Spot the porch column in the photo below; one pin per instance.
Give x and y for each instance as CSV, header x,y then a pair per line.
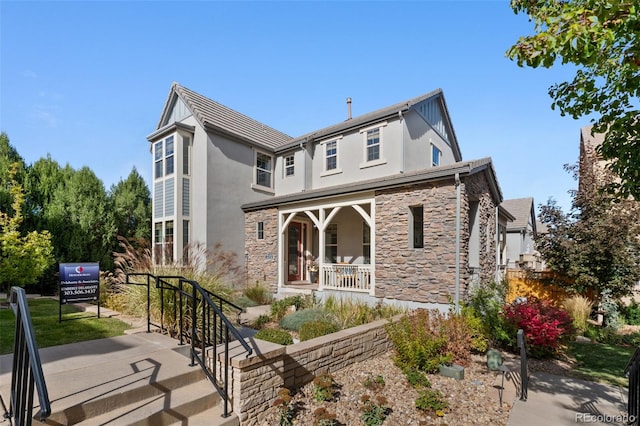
x,y
321,226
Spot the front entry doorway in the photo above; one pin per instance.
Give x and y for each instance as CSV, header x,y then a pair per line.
x,y
295,251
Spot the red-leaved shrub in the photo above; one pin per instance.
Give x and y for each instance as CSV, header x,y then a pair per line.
x,y
545,327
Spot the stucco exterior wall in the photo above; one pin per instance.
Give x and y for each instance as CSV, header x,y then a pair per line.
x,y
262,255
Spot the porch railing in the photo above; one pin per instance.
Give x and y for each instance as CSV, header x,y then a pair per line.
x,y
347,277
197,316
27,368
632,371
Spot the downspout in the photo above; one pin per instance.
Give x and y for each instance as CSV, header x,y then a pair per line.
x,y
497,248
402,130
304,166
457,283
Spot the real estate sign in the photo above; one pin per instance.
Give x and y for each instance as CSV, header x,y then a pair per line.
x,y
79,282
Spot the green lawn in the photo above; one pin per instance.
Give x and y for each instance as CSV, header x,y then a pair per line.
x,y
601,363
76,326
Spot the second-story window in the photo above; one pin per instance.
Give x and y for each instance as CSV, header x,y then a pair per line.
x,y
163,157
289,164
157,158
263,169
168,161
435,156
373,144
331,155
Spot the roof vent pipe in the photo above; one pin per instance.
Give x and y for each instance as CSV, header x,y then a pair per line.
x,y
348,108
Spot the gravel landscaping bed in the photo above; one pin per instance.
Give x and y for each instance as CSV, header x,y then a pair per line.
x,y
473,400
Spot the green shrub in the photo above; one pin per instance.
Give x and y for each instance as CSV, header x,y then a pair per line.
x,y
313,329
477,330
274,335
486,300
295,320
374,383
279,307
418,342
631,313
259,294
375,412
259,322
432,400
244,301
417,379
323,387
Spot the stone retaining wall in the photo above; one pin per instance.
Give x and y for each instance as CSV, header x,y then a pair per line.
x,y
256,380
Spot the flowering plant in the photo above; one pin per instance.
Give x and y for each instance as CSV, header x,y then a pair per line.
x,y
313,266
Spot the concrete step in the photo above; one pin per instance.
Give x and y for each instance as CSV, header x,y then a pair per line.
x,y
143,379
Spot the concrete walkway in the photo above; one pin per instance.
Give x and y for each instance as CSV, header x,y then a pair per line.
x,y
558,401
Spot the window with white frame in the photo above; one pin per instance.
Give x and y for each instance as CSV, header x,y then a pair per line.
x,y
435,156
331,243
373,144
264,169
331,155
289,165
168,160
163,157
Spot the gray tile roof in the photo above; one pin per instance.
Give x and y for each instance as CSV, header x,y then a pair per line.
x,y
464,168
217,117
375,116
521,209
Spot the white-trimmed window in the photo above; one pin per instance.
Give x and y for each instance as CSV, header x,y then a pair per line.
x,y
264,169
435,156
373,144
289,165
163,157
331,155
372,140
331,243
260,230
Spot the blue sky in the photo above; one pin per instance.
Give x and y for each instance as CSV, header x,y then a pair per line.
x,y
86,81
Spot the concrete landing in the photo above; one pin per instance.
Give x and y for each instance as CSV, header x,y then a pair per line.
x,y
139,379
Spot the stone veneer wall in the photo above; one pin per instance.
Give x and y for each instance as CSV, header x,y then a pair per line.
x,y
420,275
256,380
261,256
477,188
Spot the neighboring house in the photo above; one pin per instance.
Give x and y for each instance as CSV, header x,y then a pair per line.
x,y
520,248
382,205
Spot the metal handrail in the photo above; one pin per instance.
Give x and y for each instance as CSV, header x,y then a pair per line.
x,y
27,367
206,329
524,375
632,371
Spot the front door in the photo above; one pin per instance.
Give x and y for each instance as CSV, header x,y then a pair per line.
x,y
294,252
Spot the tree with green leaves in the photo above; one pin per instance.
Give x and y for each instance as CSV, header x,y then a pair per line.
x,y
23,257
9,158
131,204
602,38
596,244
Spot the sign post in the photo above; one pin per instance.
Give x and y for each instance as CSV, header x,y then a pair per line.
x,y
79,282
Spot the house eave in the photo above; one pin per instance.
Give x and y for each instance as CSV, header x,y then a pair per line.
x,y
170,128
390,182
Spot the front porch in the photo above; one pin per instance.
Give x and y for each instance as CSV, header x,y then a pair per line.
x,y
327,247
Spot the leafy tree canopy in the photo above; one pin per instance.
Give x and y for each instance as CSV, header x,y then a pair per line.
x,y
23,258
596,244
132,207
602,38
